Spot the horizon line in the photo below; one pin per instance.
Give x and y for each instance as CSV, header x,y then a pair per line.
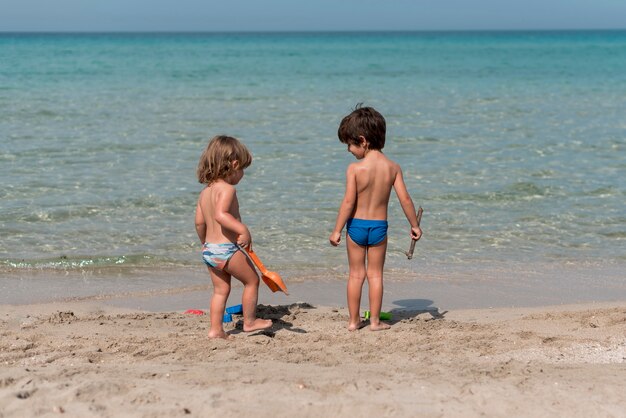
x,y
287,31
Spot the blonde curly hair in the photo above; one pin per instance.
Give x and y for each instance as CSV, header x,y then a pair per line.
x,y
216,160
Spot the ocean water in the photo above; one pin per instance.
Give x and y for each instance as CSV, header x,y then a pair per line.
x,y
514,143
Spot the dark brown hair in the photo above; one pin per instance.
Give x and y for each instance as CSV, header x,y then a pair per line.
x,y
215,161
366,122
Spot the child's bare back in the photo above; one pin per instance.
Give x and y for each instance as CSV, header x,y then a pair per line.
x,y
219,193
375,176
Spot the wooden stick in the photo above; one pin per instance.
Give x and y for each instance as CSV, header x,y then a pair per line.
x,y
409,254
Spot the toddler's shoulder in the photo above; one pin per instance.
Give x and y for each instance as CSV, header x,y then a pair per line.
x,y
222,186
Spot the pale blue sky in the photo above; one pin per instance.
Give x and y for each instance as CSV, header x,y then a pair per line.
x,y
296,15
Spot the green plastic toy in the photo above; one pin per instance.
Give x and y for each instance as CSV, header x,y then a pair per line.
x,y
383,315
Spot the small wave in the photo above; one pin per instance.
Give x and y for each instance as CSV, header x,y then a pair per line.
x,y
514,192
47,113
416,140
543,174
79,263
603,192
614,234
525,189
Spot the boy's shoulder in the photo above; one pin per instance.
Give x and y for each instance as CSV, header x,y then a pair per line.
x,y
389,162
354,167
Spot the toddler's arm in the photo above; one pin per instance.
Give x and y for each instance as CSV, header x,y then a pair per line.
x,y
223,216
200,223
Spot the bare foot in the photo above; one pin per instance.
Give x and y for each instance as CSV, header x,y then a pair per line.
x,y
220,334
358,325
379,326
257,325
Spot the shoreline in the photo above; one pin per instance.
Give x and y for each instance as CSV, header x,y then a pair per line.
x,y
447,287
88,358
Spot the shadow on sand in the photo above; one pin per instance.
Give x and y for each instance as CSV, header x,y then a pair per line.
x,y
276,314
412,308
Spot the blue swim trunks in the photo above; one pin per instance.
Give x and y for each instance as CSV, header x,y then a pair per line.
x,y
367,232
217,255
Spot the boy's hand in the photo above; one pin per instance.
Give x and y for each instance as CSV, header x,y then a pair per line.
x,y
416,233
244,239
335,238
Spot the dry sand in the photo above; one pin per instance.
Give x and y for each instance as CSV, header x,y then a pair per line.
x,y
84,359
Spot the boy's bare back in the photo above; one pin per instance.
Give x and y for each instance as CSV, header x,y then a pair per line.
x,y
374,177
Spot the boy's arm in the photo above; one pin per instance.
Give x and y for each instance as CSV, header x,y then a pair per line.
x,y
223,202
200,223
407,205
347,205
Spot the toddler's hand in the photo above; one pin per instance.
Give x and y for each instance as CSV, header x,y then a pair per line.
x,y
244,239
335,238
416,233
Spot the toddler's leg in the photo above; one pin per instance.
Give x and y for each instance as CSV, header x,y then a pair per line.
x,y
243,270
356,278
375,263
221,290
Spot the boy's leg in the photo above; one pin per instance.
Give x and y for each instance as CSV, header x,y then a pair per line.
x,y
221,290
375,264
240,266
356,278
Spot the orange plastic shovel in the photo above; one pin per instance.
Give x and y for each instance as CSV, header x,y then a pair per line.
x,y
271,278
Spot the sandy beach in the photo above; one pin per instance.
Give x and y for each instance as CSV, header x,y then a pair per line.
x,y
87,358
512,141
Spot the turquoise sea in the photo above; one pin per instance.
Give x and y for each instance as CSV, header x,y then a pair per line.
x,y
514,143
